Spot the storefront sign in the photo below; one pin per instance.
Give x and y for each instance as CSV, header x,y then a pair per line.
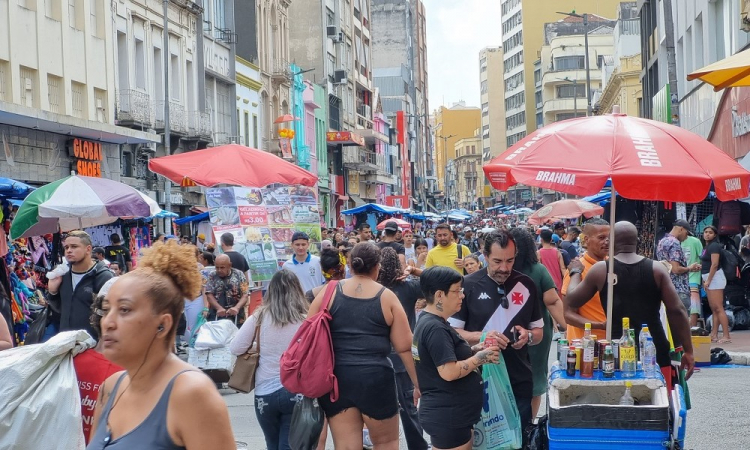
x,y
89,156
740,124
345,137
285,145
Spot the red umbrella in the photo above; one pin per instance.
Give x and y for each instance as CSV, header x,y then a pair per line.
x,y
230,164
646,160
565,209
404,225
285,118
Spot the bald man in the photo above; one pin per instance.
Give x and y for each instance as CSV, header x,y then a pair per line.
x,y
642,285
227,291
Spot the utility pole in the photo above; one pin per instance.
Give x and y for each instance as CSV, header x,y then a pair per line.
x,y
167,150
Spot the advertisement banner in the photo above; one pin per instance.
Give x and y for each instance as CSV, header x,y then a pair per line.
x,y
263,221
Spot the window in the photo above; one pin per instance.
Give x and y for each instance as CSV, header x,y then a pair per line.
x,y
75,11
512,22
100,103
54,94
127,164
513,82
78,93
28,87
175,78
4,80
566,116
537,76
513,42
515,101
539,120
513,61
255,131
484,87
223,109
571,91
246,129
516,120
94,15
52,9
538,98
140,64
512,139
122,61
569,63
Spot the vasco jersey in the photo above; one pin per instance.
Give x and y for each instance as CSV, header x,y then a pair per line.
x,y
482,310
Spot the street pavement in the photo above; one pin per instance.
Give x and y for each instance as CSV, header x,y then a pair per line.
x,y
719,419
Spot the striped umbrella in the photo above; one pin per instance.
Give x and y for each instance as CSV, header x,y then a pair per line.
x,y
76,202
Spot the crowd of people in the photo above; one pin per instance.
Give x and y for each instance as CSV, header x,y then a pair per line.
x,y
410,313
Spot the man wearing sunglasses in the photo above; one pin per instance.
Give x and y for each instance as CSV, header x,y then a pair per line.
x,y
503,302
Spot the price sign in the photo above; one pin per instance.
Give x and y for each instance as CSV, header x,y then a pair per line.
x,y
253,215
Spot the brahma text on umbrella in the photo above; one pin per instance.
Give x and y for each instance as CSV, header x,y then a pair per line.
x,y
644,146
733,184
568,179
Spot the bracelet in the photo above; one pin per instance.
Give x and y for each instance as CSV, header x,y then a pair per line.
x,y
205,309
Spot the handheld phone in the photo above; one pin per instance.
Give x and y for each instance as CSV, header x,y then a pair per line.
x,y
512,335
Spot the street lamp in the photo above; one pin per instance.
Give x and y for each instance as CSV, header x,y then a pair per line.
x,y
575,94
585,18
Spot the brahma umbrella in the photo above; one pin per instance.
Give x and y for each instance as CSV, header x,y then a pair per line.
x,y
646,160
76,202
230,164
565,209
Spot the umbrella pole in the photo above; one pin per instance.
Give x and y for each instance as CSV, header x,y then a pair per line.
x,y
611,269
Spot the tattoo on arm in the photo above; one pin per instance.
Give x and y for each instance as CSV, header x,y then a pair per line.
x,y
439,305
483,356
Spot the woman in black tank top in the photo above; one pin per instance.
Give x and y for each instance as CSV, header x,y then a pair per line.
x,y
367,319
152,404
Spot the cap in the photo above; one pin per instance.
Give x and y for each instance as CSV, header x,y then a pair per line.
x,y
300,235
555,239
391,226
684,224
201,236
467,229
559,226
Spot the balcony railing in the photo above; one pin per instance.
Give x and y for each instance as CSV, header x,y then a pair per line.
x,y
222,138
178,122
199,124
360,158
133,108
280,69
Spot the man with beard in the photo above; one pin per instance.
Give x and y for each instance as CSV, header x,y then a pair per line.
x,y
446,253
503,302
596,241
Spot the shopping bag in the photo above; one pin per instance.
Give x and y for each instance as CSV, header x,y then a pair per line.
x,y
499,427
215,334
40,396
306,425
38,327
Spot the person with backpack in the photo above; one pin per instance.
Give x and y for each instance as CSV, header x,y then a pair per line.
x,y
119,254
283,310
714,282
366,320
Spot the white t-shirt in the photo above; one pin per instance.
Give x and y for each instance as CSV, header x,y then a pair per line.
x,y
411,253
309,273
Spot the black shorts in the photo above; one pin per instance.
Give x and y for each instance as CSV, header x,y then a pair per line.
x,y
444,437
370,389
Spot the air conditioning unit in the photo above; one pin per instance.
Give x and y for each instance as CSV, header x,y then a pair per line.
x,y
339,76
332,31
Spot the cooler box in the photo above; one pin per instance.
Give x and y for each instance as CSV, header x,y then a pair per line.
x,y
583,413
702,350
216,363
679,415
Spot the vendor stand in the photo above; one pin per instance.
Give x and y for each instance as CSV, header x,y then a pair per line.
x,y
645,160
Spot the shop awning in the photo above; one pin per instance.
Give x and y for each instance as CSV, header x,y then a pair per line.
x,y
197,218
37,119
357,200
373,207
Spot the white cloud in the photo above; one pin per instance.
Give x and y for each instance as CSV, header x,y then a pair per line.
x,y
456,32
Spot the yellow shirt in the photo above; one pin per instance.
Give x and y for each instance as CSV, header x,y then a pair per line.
x,y
445,256
591,310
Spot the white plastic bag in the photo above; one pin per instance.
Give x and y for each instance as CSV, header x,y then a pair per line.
x,y
59,270
41,403
215,334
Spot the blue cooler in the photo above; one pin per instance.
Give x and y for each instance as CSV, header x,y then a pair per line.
x,y
679,415
585,414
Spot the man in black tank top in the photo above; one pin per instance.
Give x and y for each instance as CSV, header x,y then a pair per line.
x,y
642,285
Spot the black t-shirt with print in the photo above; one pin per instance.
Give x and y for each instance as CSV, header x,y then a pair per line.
x,y
452,404
400,249
482,309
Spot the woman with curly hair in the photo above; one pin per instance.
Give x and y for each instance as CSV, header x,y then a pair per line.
x,y
409,293
152,404
527,262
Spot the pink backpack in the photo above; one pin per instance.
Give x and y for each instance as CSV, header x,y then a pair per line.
x,y
307,365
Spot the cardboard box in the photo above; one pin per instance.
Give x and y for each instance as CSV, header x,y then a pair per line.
x,y
702,350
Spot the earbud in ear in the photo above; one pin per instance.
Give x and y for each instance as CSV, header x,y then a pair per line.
x,y
161,328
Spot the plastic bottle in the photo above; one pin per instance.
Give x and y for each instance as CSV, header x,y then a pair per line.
x,y
587,353
627,350
608,366
645,334
649,358
627,398
570,368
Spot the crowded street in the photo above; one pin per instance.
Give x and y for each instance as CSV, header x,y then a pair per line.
x,y
374,224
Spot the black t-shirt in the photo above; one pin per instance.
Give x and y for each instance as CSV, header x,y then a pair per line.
x,y
400,249
481,309
455,403
238,261
711,249
118,254
408,293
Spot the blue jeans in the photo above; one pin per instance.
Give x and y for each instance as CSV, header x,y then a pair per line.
x,y
274,413
50,332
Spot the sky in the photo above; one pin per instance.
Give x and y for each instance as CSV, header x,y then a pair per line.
x,y
456,32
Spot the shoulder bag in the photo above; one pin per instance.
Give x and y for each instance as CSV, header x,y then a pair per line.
x,y
243,374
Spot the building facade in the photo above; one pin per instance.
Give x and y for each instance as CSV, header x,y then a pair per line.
x,y
58,92
451,125
220,85
563,64
248,103
621,78
468,165
493,112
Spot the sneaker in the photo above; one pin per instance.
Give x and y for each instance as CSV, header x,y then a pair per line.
x,y
366,442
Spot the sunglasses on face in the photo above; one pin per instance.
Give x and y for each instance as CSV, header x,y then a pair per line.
x,y
503,297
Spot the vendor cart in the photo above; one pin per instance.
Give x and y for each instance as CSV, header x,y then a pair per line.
x,y
584,413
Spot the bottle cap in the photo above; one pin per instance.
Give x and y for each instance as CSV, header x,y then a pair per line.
x,y
628,384
587,326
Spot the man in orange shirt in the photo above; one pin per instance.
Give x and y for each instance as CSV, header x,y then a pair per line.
x,y
596,242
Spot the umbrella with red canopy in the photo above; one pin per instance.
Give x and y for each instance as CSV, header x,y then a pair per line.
x,y
285,118
230,164
646,160
404,225
565,209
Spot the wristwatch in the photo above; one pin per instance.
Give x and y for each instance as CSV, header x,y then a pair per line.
x,y
531,338
572,272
